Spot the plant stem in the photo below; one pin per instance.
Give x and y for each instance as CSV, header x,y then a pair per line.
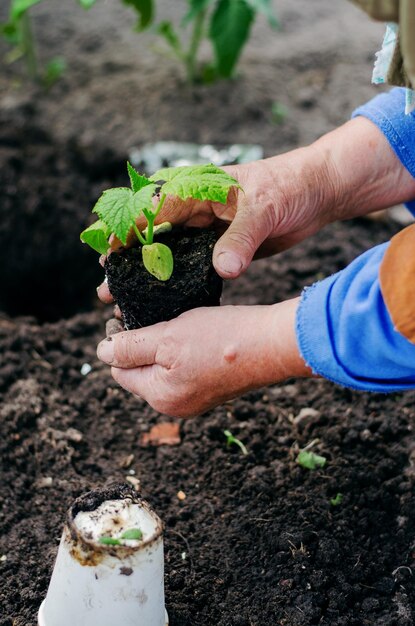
x,y
197,36
139,235
29,47
151,218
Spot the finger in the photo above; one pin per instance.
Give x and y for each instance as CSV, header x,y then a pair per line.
x,y
113,327
131,348
235,250
117,312
104,293
136,380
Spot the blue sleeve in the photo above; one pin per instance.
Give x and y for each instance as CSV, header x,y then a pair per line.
x,y
345,332
387,111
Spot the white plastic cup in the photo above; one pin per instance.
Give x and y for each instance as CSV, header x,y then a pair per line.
x,y
104,585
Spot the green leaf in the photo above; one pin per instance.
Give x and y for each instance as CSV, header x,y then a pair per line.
x,y
158,260
145,10
166,30
278,113
310,460
96,236
137,180
109,541
19,7
230,439
264,7
54,70
195,7
119,208
337,500
229,30
87,4
132,533
202,182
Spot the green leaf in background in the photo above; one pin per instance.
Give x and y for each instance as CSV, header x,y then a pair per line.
x,y
87,4
264,7
145,10
137,180
96,236
132,533
337,500
118,208
195,7
54,70
202,182
310,460
166,30
229,30
158,260
19,7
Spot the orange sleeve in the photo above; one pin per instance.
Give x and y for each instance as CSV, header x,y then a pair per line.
x,y
397,281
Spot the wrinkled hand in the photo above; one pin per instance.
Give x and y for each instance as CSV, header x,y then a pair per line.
x,y
281,203
206,356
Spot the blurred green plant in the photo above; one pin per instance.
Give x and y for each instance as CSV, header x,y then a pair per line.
x,y
279,113
225,23
18,32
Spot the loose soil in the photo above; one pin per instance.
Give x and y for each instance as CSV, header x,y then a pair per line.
x,y
255,541
145,300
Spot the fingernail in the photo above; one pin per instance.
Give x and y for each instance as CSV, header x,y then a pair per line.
x,y
229,263
105,350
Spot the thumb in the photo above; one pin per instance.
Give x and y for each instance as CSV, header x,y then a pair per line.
x,y
234,251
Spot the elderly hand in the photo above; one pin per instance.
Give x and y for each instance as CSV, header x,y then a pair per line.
x,y
206,356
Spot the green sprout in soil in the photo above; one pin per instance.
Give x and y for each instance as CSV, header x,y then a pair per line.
x,y
18,33
337,500
226,24
133,533
310,460
119,209
231,440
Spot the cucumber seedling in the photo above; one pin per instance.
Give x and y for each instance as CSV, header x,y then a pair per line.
x,y
135,534
119,209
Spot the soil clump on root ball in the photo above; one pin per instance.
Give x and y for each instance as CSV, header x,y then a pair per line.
x,y
145,300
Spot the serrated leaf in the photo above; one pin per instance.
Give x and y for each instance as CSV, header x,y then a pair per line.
x,y
96,236
19,7
202,182
195,7
119,208
158,260
229,30
264,7
132,533
137,180
145,10
87,4
310,460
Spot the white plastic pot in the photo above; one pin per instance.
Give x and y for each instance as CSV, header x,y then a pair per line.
x,y
107,585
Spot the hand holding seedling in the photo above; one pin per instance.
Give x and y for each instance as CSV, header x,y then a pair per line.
x,y
206,356
347,173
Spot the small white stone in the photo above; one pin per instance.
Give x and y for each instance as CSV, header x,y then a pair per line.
x,y
85,369
3,558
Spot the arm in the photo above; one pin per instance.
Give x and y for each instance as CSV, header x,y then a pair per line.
x,y
347,173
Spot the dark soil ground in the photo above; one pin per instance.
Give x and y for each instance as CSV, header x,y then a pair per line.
x,y
145,300
256,541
